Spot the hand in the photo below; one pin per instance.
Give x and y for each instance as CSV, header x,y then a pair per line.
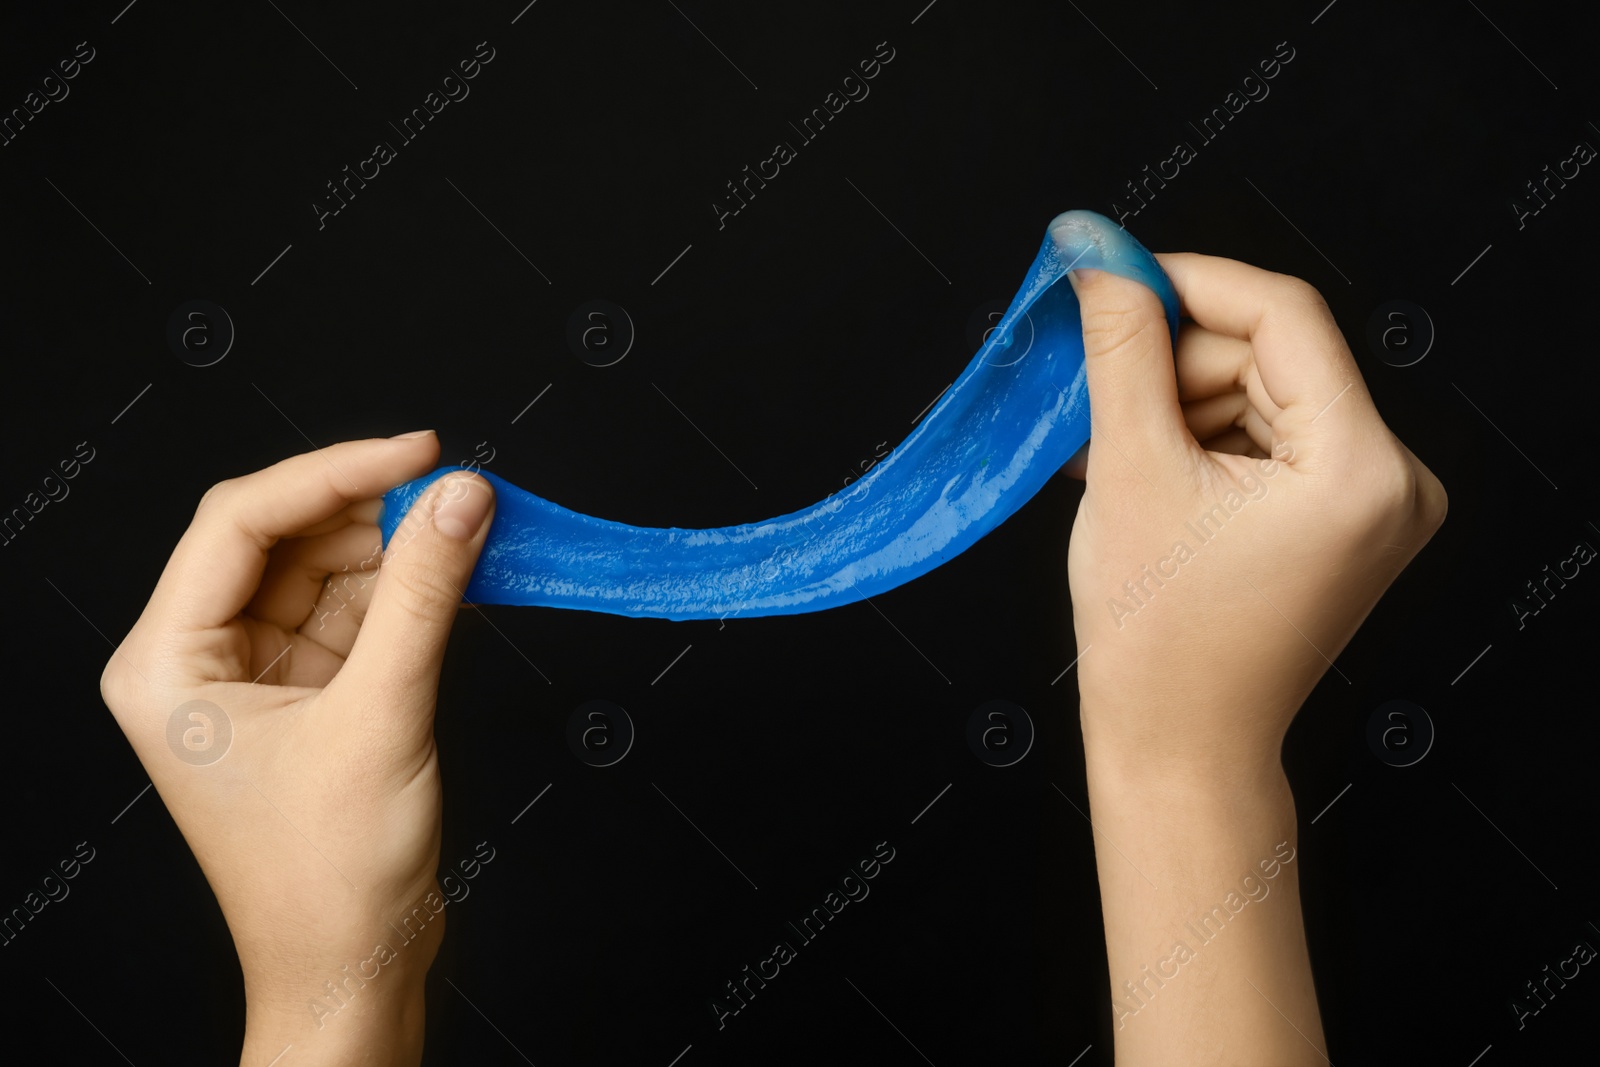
x,y
319,825
1245,507
1241,516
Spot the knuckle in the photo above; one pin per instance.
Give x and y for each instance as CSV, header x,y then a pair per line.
x,y
1433,501
1391,489
1401,484
1118,329
117,685
217,495
1297,298
422,591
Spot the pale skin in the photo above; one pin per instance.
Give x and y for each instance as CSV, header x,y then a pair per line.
x,y
1185,701
320,827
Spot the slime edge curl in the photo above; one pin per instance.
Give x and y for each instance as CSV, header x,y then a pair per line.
x,y
988,445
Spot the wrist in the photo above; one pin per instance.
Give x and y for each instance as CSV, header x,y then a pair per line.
x,y
379,1025
1225,793
352,995
1190,737
1123,761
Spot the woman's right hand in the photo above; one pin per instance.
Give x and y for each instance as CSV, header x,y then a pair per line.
x,y
1243,513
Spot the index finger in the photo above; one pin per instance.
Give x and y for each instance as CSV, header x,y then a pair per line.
x,y
217,565
1300,353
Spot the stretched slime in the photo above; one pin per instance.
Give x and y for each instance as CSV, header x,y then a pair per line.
x,y
1018,412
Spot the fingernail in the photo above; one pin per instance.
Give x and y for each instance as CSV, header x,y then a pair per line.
x,y
409,436
462,507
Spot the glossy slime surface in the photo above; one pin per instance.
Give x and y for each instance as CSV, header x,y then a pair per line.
x,y
1018,411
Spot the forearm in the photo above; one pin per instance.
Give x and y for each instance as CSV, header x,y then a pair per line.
x,y
1199,886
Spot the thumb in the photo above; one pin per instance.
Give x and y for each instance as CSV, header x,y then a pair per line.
x,y
1127,347
1133,389
426,568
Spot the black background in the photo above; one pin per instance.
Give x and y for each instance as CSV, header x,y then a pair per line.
x,y
796,338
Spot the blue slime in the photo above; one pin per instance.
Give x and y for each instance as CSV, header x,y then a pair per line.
x,y
1014,416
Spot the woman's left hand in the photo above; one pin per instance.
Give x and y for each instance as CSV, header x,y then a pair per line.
x,y
279,688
